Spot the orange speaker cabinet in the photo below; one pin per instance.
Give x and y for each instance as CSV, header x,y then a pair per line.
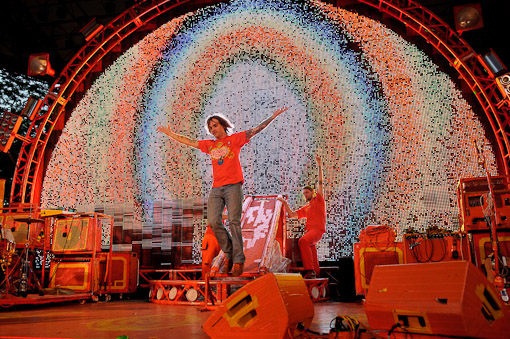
x,y
446,298
73,235
271,306
123,272
368,255
78,274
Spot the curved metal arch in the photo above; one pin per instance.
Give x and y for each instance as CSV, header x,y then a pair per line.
x,y
463,58
435,31
27,174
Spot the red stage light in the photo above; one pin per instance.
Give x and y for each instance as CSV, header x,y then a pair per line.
x,y
39,64
468,17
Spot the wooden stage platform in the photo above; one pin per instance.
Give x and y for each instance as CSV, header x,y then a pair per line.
x,y
135,319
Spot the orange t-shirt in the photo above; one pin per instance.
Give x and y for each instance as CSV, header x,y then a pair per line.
x,y
315,213
225,158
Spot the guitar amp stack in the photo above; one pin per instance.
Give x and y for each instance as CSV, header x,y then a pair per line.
x,y
76,247
482,206
79,263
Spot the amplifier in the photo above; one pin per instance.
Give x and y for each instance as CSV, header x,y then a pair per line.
x,y
421,248
78,274
123,272
470,193
71,235
369,255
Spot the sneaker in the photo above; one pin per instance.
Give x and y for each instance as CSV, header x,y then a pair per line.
x,y
238,269
227,266
310,275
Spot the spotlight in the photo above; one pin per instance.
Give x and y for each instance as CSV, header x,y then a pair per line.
x,y
91,29
493,63
9,126
39,64
31,108
468,17
503,82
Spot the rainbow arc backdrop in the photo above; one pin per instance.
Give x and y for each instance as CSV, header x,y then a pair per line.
x,y
394,132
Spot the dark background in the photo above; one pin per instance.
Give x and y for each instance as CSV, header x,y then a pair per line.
x,y
53,26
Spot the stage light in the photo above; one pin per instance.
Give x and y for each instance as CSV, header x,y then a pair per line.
x,y
498,70
493,63
91,29
39,64
503,82
468,17
32,106
9,126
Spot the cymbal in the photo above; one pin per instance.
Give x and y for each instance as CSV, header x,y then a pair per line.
x,y
28,220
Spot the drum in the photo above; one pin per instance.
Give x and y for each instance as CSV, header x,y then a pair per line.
x,y
7,251
7,246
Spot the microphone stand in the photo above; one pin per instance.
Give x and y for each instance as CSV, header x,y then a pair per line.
x,y
493,220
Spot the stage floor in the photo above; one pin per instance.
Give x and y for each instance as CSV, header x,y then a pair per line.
x,y
135,319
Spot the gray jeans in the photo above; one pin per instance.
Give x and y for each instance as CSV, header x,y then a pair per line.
x,y
231,196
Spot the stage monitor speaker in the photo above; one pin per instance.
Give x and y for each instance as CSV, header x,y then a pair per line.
x,y
447,298
271,306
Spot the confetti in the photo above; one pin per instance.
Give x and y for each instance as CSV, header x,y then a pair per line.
x,y
394,131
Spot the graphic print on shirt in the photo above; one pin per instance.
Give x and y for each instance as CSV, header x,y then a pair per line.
x,y
221,151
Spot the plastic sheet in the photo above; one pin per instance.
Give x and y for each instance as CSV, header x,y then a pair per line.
x,y
277,263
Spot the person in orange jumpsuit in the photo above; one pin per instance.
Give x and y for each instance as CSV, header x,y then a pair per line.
x,y
315,227
210,249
